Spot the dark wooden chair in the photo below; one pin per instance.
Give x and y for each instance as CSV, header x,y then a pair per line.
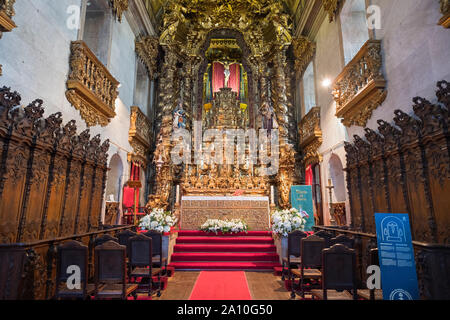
x,y
124,236
103,239
372,294
158,259
110,277
311,264
343,239
326,236
338,274
72,253
293,257
140,262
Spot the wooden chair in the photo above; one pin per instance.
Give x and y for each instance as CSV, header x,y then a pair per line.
x,y
326,236
140,261
72,253
311,264
338,274
103,239
293,252
372,294
342,239
110,281
124,236
158,259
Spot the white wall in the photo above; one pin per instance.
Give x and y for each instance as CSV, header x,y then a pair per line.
x,y
416,54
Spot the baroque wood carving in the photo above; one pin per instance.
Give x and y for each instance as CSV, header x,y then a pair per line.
x,y
361,87
44,166
119,7
304,51
147,50
91,89
310,135
445,10
409,165
140,136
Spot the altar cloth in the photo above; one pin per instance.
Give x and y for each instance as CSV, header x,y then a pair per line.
x,y
253,210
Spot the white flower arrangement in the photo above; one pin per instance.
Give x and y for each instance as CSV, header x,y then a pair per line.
x,y
158,220
287,221
224,226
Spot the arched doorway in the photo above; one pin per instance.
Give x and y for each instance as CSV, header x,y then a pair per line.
x,y
114,180
336,174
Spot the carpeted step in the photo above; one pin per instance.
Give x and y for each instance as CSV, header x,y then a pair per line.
x,y
195,233
221,256
226,239
224,248
224,265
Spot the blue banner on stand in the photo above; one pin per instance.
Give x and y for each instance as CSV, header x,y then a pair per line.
x,y
301,199
396,254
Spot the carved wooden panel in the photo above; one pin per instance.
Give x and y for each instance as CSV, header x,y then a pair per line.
x,y
410,170
41,166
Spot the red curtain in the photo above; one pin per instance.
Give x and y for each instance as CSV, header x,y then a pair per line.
x,y
218,77
128,193
309,176
235,78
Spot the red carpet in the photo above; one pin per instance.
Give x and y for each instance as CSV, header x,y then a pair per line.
x,y
197,250
217,285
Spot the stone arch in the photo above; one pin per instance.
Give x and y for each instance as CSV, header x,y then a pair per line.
x,y
336,171
114,179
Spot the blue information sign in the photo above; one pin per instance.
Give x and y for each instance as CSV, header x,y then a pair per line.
x,y
301,199
396,254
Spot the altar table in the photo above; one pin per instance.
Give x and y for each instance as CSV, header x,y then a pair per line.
x,y
195,210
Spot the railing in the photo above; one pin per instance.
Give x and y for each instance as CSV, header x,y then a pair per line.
x,y
29,269
311,136
432,262
91,88
360,88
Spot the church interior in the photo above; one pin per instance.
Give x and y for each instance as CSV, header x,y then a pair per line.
x,y
224,150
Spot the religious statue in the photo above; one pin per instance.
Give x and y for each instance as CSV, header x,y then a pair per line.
x,y
269,120
179,118
227,73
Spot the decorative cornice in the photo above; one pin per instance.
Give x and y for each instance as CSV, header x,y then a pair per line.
x,y
119,7
304,51
331,7
445,10
147,50
91,89
361,87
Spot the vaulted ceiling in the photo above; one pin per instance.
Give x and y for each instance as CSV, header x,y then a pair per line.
x,y
156,8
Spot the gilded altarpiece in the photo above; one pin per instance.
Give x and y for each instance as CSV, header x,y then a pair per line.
x,y
199,38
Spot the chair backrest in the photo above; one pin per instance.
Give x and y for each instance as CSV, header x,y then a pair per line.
x,y
124,236
103,239
72,253
110,263
326,236
156,242
343,239
294,239
312,247
339,268
374,258
140,251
